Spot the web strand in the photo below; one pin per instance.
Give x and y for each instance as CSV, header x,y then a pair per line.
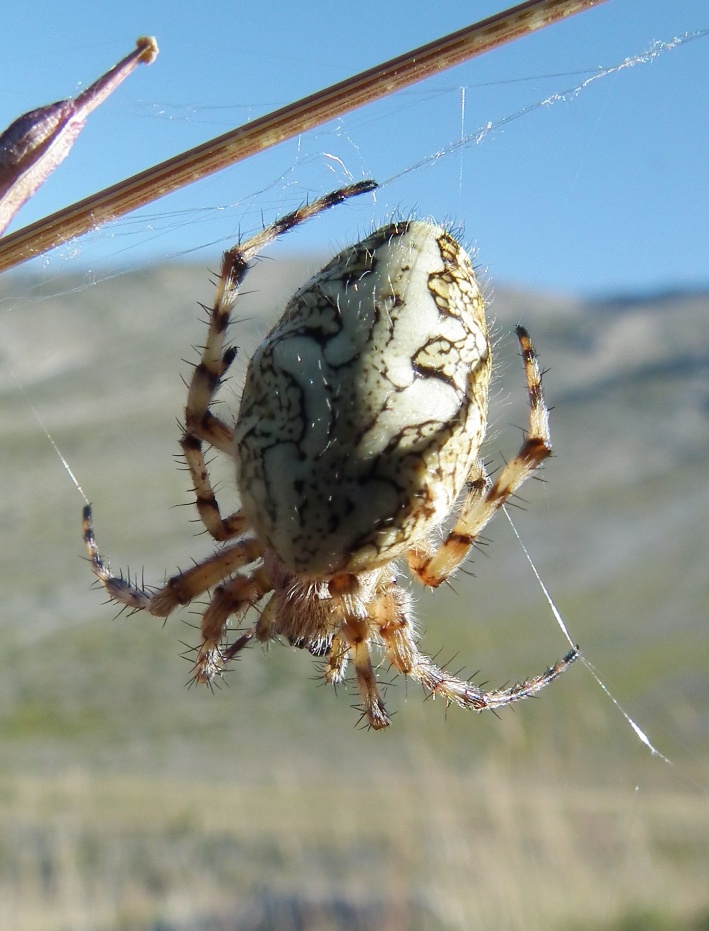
x,y
49,436
639,733
475,138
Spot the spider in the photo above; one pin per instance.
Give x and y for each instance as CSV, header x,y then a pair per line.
x,y
357,438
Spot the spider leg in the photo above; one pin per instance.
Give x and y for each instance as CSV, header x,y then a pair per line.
x,y
201,425
463,693
178,590
483,498
392,611
353,606
232,599
337,660
372,703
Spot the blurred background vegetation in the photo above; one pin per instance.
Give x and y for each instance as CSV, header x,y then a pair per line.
x,y
128,801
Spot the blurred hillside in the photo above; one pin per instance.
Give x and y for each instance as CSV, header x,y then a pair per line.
x,y
97,727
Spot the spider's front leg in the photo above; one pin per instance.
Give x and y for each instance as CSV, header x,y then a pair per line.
x,y
201,425
484,498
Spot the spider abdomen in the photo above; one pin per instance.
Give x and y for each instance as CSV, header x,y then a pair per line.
x,y
364,408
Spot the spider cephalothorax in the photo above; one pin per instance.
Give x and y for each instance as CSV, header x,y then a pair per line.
x,y
358,435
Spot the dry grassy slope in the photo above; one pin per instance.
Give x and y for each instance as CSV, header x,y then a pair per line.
x,y
128,801
618,530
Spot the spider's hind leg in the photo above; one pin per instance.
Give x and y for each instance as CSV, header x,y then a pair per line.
x,y
394,617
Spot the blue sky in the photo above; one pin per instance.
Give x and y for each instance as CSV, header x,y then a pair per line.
x,y
603,193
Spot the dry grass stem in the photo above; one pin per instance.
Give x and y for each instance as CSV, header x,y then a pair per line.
x,y
38,141
282,124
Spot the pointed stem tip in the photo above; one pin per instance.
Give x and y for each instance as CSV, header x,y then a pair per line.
x,y
36,142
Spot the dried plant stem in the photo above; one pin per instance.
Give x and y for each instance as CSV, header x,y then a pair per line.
x,y
283,124
34,145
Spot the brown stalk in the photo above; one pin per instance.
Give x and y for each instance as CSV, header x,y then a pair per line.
x,y
33,146
282,124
